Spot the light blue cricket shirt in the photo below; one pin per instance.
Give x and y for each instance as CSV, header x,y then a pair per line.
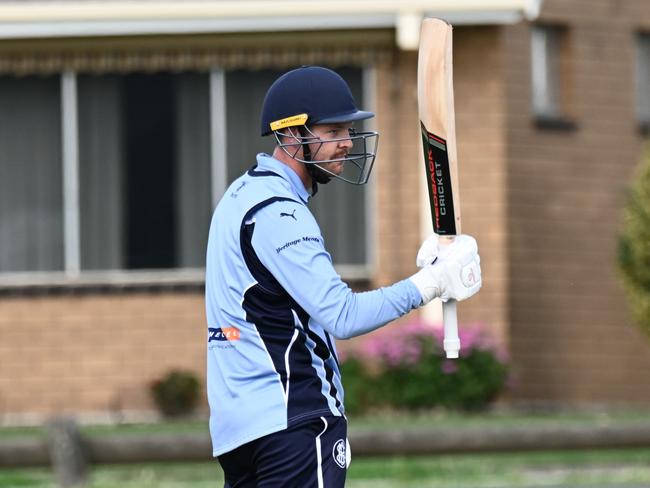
x,y
274,303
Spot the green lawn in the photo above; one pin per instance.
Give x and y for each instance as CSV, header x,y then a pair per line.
x,y
518,470
380,420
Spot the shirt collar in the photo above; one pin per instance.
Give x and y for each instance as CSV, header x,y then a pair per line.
x,y
269,163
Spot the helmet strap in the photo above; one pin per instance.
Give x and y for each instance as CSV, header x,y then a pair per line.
x,y
306,151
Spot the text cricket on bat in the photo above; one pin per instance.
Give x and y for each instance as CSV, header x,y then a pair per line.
x,y
439,183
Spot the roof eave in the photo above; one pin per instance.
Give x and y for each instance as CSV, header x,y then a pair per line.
x,y
28,20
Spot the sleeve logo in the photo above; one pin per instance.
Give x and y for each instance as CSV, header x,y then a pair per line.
x,y
296,241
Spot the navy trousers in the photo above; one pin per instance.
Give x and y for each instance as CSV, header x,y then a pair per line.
x,y
314,453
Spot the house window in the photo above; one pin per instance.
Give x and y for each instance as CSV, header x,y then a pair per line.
x,y
145,169
643,81
550,84
31,193
144,160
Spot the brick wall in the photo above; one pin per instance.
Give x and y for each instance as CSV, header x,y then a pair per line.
x,y
572,338
398,170
545,204
94,353
480,121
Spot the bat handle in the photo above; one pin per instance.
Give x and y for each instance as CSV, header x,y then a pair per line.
x,y
451,342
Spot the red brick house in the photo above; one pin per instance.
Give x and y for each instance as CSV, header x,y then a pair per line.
x,y
122,123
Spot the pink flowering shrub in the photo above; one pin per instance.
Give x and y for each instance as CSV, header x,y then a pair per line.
x,y
405,367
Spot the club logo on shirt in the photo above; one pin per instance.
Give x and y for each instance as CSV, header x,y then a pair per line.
x,y
338,453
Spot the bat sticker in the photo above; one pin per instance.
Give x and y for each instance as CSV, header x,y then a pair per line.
x,y
439,183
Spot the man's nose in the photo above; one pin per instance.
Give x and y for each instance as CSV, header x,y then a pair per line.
x,y
346,143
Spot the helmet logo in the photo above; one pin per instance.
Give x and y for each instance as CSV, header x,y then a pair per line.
x,y
292,121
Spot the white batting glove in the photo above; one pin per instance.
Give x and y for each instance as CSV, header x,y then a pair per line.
x,y
455,275
428,252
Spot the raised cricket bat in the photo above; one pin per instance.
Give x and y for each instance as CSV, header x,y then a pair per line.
x,y
438,125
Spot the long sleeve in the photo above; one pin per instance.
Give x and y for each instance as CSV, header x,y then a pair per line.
x,y
289,244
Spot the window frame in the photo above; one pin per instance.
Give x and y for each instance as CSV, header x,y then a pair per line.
x,y
641,82
74,276
551,91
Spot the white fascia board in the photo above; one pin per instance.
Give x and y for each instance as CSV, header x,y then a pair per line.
x,y
119,17
187,26
481,17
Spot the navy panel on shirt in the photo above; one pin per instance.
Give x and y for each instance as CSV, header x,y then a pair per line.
x,y
323,352
271,309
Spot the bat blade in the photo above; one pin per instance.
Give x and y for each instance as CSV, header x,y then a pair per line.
x,y
438,130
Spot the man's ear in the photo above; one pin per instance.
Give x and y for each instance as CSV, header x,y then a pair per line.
x,y
290,138
290,134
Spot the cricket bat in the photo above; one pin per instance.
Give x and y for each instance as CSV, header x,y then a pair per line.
x,y
438,126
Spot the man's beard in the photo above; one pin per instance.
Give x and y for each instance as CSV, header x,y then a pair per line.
x,y
318,175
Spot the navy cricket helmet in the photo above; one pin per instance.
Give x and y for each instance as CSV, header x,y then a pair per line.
x,y
309,95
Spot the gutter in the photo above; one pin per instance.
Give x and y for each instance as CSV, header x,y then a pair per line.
x,y
75,18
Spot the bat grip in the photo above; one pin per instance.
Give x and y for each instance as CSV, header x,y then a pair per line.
x,y
451,342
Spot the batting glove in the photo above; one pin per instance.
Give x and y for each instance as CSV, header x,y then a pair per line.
x,y
456,274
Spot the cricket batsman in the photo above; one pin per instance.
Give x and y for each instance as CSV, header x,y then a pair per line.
x,y
275,304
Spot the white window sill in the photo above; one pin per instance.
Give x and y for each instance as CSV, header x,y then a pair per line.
x,y
174,280
101,282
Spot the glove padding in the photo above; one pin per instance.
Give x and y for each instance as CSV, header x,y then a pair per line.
x,y
456,274
428,251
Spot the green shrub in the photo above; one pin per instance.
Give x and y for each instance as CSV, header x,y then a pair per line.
x,y
634,246
177,393
406,368
355,381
